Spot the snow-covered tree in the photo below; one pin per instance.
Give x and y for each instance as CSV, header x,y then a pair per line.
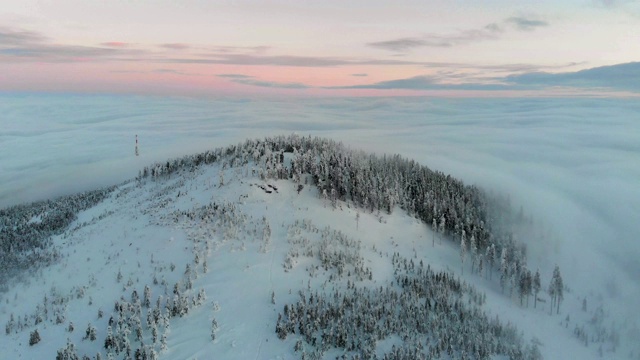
x,y
34,337
556,289
473,247
442,227
109,341
434,228
491,258
536,285
146,299
68,352
463,248
163,342
214,329
266,235
325,196
90,333
525,285
504,269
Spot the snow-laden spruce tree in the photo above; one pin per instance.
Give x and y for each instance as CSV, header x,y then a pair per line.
x,y
463,248
473,247
536,285
68,352
434,228
556,289
491,258
504,269
34,337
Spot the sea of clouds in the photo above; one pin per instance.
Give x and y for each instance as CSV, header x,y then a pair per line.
x,y
572,164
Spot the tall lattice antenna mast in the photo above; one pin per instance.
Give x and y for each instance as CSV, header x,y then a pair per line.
x,y
137,152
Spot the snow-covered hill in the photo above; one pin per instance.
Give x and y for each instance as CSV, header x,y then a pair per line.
x,y
243,257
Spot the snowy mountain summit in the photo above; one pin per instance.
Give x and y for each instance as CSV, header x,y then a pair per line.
x,y
288,248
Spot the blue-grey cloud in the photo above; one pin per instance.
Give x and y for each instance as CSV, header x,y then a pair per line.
x,y
172,71
55,53
423,82
22,45
435,40
12,37
360,75
234,76
613,4
487,32
526,24
617,77
621,77
175,46
253,81
494,27
404,44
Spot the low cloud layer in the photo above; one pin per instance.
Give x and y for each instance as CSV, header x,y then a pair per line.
x,y
571,163
622,77
619,77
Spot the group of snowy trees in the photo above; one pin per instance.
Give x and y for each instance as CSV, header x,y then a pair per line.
x,y
335,252
371,182
126,334
126,326
433,314
26,230
377,184
374,183
513,272
555,289
463,213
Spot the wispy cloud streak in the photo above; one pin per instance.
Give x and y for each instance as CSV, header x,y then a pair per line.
x,y
11,37
525,24
253,81
488,32
175,46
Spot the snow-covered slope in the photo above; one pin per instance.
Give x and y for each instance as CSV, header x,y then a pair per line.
x,y
222,251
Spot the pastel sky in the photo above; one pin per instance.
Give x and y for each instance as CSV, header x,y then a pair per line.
x,y
322,48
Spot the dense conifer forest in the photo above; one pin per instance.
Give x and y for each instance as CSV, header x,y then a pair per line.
x,y
25,231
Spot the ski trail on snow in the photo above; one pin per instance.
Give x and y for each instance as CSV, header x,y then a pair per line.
x,y
273,251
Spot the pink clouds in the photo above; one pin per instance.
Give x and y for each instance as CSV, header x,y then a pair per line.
x,y
257,68
115,44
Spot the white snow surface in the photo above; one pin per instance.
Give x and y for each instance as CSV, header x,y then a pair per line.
x,y
137,237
